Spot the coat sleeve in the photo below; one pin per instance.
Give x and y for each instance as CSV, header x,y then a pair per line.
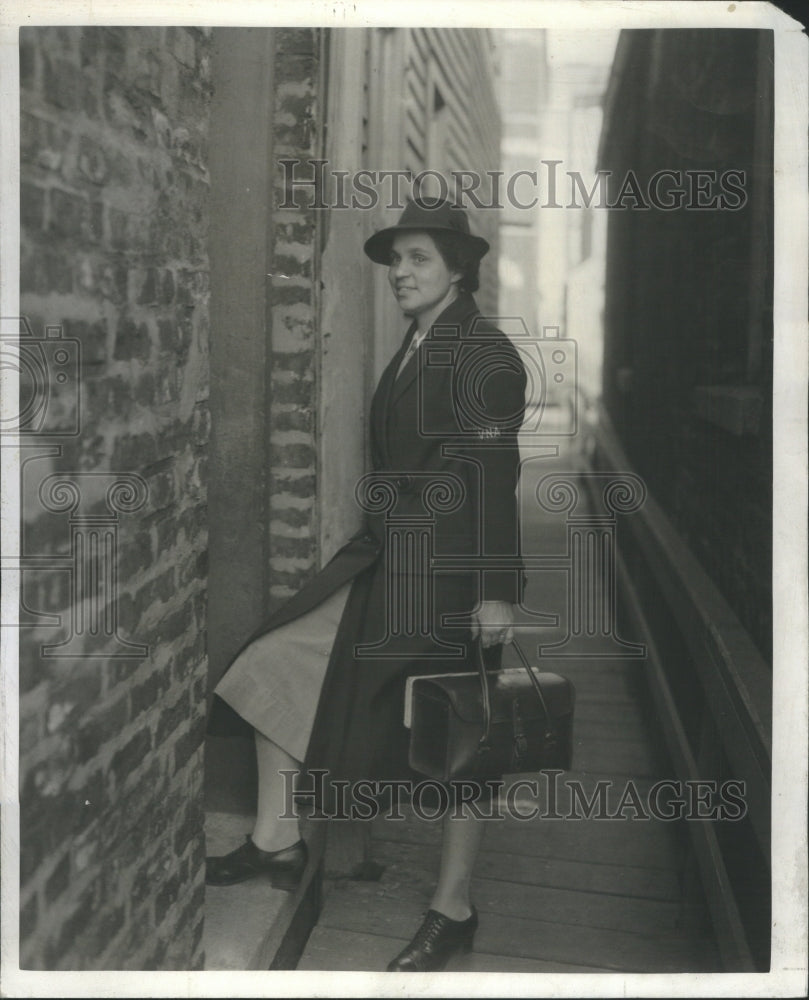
x,y
501,399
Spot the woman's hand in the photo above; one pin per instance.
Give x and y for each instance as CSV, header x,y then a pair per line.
x,y
493,621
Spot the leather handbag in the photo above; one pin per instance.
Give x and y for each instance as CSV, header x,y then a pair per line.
x,y
483,725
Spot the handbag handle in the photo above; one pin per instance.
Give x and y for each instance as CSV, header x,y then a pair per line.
x,y
483,743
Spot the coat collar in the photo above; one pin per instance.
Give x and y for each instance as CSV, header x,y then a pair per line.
x,y
457,314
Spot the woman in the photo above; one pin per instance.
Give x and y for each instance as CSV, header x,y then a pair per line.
x,y
323,681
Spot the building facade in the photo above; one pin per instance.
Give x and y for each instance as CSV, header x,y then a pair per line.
x,y
227,335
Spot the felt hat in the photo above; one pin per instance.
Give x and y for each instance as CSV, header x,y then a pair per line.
x,y
425,216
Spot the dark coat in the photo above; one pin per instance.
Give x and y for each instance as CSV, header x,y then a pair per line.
x,y
455,410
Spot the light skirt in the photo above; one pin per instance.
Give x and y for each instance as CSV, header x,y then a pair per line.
x,y
275,683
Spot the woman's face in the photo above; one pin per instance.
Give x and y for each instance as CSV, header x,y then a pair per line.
x,y
418,275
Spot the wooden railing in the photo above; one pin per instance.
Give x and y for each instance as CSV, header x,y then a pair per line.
x,y
712,692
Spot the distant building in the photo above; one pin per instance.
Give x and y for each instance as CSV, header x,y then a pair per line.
x,y
554,252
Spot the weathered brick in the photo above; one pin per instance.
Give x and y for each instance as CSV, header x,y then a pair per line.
x,y
165,898
299,419
29,913
156,958
300,364
68,212
200,688
290,581
32,206
191,827
80,687
294,456
174,625
131,755
188,744
296,548
295,517
27,60
162,488
92,337
134,451
299,391
144,696
132,340
74,925
62,84
58,880
300,41
292,265
291,294
172,717
297,486
105,929
92,161
187,659
135,554
102,726
118,223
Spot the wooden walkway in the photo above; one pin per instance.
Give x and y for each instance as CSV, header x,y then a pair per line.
x,y
554,895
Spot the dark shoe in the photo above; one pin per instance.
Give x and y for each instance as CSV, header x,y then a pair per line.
x,y
284,867
435,942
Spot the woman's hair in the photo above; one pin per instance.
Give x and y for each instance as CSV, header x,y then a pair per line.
x,y
458,256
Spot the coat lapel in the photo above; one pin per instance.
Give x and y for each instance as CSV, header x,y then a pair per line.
x,y
380,405
456,314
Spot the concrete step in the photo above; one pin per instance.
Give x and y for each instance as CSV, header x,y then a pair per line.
x,y
252,925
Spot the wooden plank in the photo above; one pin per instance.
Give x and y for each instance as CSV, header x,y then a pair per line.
x,y
643,843
333,949
602,729
336,950
599,710
630,758
615,879
410,880
523,937
580,875
482,962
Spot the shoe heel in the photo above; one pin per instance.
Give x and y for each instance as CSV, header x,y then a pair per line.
x,y
285,884
468,943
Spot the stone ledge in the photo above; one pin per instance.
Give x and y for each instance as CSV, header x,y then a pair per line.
x,y
252,925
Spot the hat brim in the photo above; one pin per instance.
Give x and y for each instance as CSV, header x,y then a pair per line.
x,y
378,246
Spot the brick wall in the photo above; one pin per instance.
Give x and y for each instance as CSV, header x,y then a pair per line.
x,y
297,132
114,196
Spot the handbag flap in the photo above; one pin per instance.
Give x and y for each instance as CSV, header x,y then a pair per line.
x,y
464,694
